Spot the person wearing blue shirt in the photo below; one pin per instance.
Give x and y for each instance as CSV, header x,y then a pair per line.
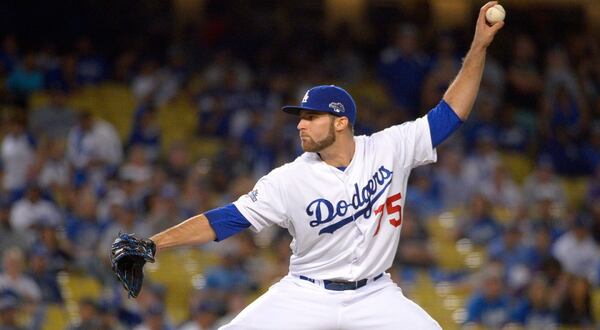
x,y
490,306
534,311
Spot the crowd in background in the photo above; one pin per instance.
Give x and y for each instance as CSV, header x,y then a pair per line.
x,y
70,183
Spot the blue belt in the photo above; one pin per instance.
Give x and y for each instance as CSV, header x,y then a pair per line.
x,y
336,285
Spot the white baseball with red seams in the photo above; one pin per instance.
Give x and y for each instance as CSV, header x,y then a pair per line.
x,y
345,225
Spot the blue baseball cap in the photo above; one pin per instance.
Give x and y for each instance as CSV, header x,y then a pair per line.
x,y
326,98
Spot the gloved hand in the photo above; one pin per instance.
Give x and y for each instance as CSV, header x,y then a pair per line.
x,y
128,255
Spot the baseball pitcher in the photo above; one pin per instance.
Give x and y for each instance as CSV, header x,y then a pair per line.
x,y
341,201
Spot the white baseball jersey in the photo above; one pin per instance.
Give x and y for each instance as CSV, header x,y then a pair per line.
x,y
345,224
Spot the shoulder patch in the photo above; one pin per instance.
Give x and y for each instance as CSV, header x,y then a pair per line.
x,y
253,195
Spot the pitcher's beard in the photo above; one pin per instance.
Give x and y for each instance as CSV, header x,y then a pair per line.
x,y
310,145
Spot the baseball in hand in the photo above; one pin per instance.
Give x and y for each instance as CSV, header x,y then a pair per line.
x,y
495,14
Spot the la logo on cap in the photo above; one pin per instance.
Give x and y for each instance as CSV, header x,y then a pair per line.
x,y
305,98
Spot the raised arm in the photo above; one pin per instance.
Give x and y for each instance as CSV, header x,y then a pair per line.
x,y
463,90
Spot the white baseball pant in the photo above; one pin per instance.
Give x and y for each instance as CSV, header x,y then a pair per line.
x,y
298,304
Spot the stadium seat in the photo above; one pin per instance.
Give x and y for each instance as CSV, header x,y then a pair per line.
x,y
56,317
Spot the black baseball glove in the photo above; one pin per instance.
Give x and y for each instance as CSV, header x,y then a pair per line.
x,y
128,255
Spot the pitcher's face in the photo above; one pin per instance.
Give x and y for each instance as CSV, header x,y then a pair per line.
x,y
316,130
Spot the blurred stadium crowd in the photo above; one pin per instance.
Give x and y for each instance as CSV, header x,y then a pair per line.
x,y
519,183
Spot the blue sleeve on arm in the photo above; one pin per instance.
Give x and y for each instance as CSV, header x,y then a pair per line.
x,y
443,121
226,221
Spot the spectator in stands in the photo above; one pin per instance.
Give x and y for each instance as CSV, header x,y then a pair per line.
x,y
414,249
154,319
14,278
124,66
9,54
563,109
512,135
54,120
489,307
593,188
91,67
25,79
48,60
510,250
423,193
344,61
88,313
64,77
453,188
83,228
136,168
146,83
523,77
591,149
8,235
543,213
229,275
500,190
437,80
236,302
539,248
484,124
564,150
108,317
18,153
576,249
172,77
194,198
213,115
94,148
32,210
535,311
543,184
146,132
177,163
60,251
42,275
54,168
402,68
478,224
576,306
9,311
226,70
162,212
564,91
204,316
480,165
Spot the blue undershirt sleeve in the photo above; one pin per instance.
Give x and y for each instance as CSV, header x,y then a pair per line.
x,y
443,121
226,221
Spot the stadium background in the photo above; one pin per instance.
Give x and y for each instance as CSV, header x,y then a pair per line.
x,y
133,115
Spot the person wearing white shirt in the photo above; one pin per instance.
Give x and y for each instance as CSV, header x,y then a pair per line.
x,y
31,210
12,277
93,146
18,153
577,251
